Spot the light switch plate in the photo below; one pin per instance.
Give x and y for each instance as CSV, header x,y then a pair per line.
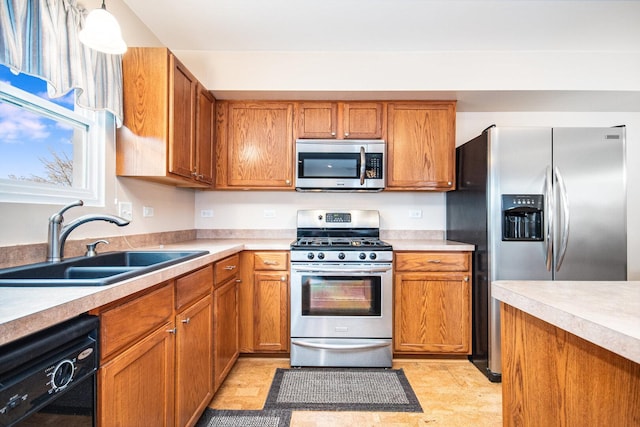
x,y
125,210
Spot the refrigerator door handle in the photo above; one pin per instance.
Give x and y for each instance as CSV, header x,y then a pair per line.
x,y
564,217
548,208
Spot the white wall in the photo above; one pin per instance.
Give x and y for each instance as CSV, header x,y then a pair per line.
x,y
173,207
246,210
338,74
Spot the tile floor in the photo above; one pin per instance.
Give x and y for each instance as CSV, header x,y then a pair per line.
x,y
452,393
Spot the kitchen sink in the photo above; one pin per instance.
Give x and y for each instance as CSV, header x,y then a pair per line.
x,y
99,270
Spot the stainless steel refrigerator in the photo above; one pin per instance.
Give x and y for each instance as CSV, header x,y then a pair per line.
x,y
538,204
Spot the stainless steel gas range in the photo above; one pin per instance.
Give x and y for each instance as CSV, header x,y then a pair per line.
x,y
341,290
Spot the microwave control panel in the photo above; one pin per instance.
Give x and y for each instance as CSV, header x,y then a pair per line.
x,y
373,167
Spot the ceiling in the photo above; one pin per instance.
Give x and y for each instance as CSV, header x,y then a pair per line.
x,y
408,26
391,25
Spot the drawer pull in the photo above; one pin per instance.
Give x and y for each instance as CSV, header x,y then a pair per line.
x,y
435,261
187,320
172,331
230,267
269,262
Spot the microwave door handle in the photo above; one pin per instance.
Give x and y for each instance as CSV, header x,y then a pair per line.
x,y
363,160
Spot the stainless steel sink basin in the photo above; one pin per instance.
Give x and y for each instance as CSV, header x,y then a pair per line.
x,y
99,270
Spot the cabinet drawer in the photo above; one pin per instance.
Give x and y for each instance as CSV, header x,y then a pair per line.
x,y
193,285
226,268
271,260
432,261
126,323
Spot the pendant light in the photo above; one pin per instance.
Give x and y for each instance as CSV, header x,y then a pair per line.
x,y
102,32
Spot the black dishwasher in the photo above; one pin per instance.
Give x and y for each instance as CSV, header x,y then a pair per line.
x,y
48,378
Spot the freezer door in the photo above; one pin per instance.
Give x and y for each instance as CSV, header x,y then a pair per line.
x,y
589,168
520,159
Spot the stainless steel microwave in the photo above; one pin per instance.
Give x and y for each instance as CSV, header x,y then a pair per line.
x,y
340,165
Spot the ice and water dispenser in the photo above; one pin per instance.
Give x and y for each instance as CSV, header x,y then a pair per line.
x,y
522,217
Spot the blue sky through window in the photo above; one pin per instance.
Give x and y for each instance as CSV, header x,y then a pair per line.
x,y
27,139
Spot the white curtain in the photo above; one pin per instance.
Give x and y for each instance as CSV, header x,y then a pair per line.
x,y
40,38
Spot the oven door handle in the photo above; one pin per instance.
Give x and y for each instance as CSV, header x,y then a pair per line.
x,y
376,344
341,270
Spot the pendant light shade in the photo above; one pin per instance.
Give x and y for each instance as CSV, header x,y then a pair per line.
x,y
102,32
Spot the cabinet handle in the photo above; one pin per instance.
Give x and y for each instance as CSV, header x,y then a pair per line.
x,y
449,183
466,278
238,280
230,267
288,182
172,331
194,173
434,261
187,320
346,134
333,134
269,262
283,278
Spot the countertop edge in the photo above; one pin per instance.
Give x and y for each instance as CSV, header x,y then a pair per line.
x,y
592,330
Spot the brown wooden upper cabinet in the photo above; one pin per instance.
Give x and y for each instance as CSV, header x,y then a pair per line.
x,y
421,146
340,120
255,145
167,135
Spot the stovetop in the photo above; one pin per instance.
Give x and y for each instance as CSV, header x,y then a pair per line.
x,y
344,243
339,236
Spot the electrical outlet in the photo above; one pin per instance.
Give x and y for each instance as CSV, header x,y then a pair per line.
x,y
206,213
125,210
269,213
415,213
147,211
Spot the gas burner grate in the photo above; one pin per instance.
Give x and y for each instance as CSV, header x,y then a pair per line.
x,y
339,241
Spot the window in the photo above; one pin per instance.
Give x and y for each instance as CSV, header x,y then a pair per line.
x,y
51,151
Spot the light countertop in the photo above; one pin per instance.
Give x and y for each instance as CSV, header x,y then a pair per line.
x,y
604,313
24,310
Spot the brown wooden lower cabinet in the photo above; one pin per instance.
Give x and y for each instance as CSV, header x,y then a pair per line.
x,y
432,304
194,353
551,377
225,318
136,387
264,302
156,363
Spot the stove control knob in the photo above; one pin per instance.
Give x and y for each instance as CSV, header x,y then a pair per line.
x,y
321,255
362,255
373,256
310,255
341,255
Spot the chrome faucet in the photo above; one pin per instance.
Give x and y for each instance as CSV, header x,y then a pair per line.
x,y
58,233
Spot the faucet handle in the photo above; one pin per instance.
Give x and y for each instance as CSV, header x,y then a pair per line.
x,y
57,217
91,247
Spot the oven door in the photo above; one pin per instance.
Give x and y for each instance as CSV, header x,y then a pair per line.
x,y
334,300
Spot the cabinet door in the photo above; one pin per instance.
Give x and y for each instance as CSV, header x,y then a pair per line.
x,y
362,120
194,354
271,311
136,387
421,146
204,136
318,120
432,313
182,100
255,145
225,330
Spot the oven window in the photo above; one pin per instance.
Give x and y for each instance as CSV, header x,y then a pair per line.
x,y
341,296
337,165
